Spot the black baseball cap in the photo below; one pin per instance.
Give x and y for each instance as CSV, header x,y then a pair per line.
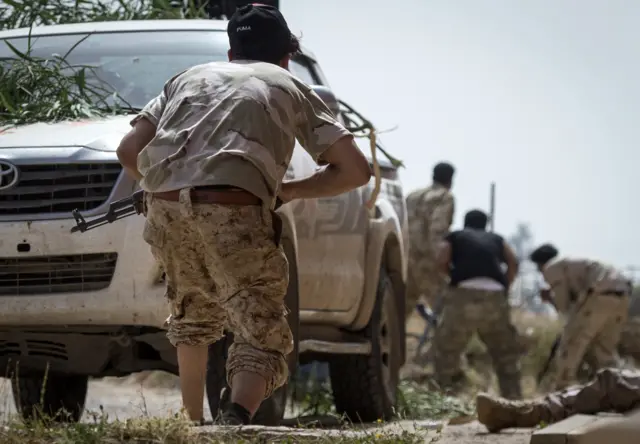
x,y
259,32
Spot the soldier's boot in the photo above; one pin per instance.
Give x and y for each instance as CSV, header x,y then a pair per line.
x,y
498,413
231,414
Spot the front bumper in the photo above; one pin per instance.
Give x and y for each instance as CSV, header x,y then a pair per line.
x,y
134,295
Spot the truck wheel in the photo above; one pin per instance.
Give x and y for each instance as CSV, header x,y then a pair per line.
x,y
62,401
272,409
365,387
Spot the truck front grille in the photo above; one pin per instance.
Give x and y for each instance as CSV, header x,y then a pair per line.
x,y
59,188
56,274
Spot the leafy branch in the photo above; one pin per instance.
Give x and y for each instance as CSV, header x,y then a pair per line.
x,y
27,13
36,89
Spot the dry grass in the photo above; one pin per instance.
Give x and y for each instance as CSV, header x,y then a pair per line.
x,y
418,400
177,429
419,397
536,335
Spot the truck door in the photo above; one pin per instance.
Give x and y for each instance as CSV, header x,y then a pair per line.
x,y
331,237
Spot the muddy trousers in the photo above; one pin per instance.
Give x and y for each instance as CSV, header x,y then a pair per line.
x,y
593,330
611,390
465,312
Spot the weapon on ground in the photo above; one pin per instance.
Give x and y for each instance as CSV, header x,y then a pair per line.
x,y
552,355
431,317
131,205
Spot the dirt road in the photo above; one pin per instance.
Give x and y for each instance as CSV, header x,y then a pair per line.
x,y
126,399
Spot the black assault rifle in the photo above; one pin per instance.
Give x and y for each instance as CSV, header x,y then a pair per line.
x,y
550,358
129,206
119,209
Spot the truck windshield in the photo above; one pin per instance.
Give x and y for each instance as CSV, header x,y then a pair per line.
x,y
135,64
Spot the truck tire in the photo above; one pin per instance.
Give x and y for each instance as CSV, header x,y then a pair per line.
x,y
365,387
272,409
62,401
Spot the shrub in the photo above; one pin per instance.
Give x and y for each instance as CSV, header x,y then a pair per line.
x,y
27,13
35,89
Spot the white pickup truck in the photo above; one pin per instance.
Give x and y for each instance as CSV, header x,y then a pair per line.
x,y
75,306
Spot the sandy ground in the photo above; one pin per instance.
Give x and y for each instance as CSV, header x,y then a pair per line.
x,y
126,399
129,397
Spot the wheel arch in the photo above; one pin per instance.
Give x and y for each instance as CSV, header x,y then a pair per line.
x,y
393,264
384,249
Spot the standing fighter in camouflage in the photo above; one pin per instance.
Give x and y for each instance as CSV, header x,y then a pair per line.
x,y
430,213
477,301
211,152
595,298
611,390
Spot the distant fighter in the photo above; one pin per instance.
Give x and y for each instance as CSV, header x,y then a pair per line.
x,y
595,297
430,214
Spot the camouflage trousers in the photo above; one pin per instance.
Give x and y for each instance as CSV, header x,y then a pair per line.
x,y
611,390
224,269
593,331
468,311
424,281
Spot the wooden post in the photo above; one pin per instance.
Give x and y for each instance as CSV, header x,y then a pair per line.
x,y
492,206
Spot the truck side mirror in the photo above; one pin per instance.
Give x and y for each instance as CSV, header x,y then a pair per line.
x,y
328,97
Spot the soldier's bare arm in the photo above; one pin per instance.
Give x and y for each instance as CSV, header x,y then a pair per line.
x,y
144,127
512,263
136,139
346,169
546,295
331,145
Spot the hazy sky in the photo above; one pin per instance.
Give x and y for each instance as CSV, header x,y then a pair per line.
x,y
540,96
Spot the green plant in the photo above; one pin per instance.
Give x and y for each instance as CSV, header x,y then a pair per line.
x,y
178,430
27,13
419,401
35,89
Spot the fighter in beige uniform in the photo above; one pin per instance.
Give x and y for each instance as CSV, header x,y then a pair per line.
x,y
211,152
595,299
430,214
